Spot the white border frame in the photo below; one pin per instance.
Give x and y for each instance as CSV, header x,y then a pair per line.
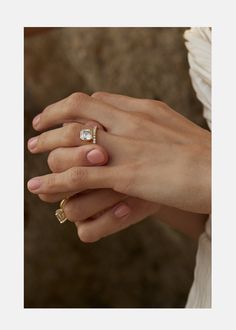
x,y
16,15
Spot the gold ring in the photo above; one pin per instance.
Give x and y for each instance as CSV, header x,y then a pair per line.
x,y
60,213
89,134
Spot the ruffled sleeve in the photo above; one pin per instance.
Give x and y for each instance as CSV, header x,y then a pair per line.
x,y
198,43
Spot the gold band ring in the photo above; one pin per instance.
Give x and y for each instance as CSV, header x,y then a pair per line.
x,y
60,213
89,134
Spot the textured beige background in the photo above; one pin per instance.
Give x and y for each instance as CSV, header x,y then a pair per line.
x,y
148,265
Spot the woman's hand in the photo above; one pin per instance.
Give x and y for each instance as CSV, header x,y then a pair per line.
x,y
95,218
155,154
100,213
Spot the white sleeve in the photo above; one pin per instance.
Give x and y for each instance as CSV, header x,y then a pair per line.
x,y
198,43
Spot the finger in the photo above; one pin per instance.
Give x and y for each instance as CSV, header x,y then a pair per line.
x,y
69,136
117,218
78,107
122,102
53,198
75,179
90,123
148,108
84,206
61,159
66,136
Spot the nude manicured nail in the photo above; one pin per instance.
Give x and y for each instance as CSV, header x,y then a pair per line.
x,y
32,142
36,120
34,183
95,156
121,210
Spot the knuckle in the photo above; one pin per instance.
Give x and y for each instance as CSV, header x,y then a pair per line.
x,y
162,106
42,141
159,103
47,109
77,98
99,95
72,103
78,174
152,106
148,104
71,133
51,181
53,164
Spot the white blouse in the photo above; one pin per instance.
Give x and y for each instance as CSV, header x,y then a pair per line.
x,y
198,43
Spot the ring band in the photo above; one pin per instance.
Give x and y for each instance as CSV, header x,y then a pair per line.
x,y
89,135
60,213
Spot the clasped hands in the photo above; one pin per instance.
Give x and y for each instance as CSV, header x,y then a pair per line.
x,y
148,159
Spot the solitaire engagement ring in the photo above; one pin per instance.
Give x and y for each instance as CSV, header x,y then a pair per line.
x,y
89,134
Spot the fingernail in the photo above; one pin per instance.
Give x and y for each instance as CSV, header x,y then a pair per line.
x,y
36,120
34,183
32,142
95,156
121,210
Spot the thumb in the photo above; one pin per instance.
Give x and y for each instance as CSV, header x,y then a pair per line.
x,y
97,156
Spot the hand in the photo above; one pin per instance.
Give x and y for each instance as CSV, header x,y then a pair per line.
x,y
92,226
96,213
99,213
156,154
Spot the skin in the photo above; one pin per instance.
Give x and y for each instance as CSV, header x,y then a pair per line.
x,y
158,162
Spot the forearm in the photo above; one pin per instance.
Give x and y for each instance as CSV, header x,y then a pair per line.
x,y
190,224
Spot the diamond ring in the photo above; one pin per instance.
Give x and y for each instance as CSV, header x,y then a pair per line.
x,y
89,134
